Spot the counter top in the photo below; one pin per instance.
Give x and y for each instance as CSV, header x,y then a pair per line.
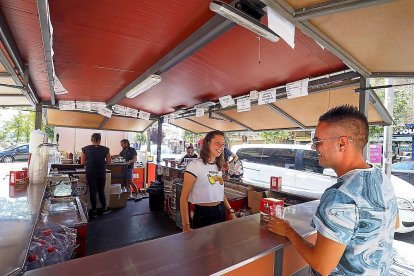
x,y
215,249
16,232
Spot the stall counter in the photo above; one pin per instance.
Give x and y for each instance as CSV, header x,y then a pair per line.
x,y
229,247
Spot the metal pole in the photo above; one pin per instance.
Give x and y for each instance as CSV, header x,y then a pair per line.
x,y
363,103
38,118
159,139
387,143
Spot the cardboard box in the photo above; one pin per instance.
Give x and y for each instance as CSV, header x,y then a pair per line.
x,y
253,200
118,200
265,205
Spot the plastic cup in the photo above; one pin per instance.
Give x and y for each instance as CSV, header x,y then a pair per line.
x,y
277,211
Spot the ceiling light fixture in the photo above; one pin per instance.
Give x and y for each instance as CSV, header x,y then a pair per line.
x,y
243,19
144,86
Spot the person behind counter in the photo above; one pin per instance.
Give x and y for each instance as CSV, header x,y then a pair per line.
x,y
130,156
356,218
95,158
203,185
190,154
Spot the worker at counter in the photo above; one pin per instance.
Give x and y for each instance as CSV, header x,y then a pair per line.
x,y
190,155
130,156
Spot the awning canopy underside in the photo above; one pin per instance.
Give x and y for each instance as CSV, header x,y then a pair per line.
x,y
101,49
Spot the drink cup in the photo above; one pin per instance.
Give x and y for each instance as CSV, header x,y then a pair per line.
x,y
277,211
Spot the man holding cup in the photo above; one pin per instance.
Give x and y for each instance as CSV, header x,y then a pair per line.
x,y
356,218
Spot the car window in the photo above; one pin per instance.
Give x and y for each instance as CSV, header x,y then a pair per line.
x,y
311,161
250,155
284,158
23,148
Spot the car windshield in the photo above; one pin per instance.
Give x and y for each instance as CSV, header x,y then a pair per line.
x,y
403,166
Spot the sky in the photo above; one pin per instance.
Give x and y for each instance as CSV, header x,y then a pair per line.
x,y
6,114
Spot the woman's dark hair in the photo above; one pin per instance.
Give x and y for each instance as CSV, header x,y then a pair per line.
x,y
205,149
125,141
96,137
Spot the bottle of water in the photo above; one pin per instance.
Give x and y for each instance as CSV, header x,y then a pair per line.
x,y
52,256
33,262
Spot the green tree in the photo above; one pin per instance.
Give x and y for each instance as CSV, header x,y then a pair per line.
x,y
271,137
18,128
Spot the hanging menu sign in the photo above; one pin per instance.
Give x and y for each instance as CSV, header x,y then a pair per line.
x,y
119,109
67,105
297,89
243,105
97,105
226,101
105,112
144,115
254,95
131,112
199,112
84,106
266,97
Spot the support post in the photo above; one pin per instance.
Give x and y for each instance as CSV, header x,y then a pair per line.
x,y
363,103
38,118
159,139
387,142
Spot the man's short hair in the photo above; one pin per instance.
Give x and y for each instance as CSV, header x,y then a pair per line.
x,y
96,137
125,141
351,120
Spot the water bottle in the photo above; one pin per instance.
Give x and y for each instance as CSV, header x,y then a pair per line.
x,y
33,262
52,256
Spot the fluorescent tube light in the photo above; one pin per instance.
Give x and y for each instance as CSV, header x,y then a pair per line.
x,y
243,19
144,86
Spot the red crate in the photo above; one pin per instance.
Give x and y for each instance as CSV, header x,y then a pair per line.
x,y
265,204
276,183
17,175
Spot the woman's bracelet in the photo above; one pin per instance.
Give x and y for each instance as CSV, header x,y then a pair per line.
x,y
230,210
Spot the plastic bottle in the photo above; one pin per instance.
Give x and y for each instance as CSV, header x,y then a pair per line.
x,y
33,262
52,256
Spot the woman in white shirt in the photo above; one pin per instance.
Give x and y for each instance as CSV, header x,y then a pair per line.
x,y
203,185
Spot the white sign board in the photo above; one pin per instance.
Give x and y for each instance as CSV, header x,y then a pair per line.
x,y
254,95
131,112
97,105
266,97
297,89
105,112
84,106
226,101
67,105
199,112
144,115
119,109
243,105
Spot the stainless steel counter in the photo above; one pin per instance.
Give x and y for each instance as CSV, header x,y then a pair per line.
x,y
16,228
216,249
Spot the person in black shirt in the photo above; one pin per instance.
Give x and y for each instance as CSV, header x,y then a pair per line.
x,y
190,154
130,156
95,158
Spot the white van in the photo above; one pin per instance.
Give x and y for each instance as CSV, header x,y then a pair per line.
x,y
298,165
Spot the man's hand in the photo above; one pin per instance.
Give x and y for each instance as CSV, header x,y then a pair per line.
x,y
279,226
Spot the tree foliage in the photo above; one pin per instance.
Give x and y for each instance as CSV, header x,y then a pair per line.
x,y
18,128
272,137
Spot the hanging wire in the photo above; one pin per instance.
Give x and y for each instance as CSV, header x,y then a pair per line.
x,y
260,49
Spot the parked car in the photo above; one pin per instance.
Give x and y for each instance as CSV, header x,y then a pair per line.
x,y
406,156
15,153
404,170
298,165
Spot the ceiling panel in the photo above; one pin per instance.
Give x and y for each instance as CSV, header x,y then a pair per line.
x,y
73,119
231,65
126,124
224,125
261,117
187,124
13,100
379,37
